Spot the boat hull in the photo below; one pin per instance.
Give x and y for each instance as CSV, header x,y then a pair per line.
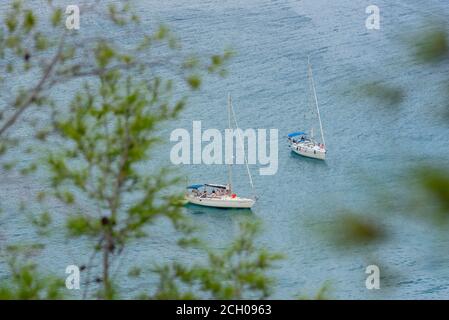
x,y
315,153
223,202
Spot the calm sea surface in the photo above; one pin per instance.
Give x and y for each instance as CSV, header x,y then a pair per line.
x,y
370,143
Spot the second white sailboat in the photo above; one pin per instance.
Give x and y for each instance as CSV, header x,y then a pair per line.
x,y
300,142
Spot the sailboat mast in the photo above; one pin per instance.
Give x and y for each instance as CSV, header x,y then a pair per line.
x,y
243,149
232,159
316,99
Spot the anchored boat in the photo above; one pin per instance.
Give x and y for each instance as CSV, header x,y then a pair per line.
x,y
300,142
215,195
219,195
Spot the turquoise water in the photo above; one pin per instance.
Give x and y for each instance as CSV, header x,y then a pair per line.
x,y
369,142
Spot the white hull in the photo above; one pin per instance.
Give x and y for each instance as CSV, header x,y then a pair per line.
x,y
221,202
309,151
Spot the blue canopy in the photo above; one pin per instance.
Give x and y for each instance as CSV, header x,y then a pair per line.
x,y
294,134
195,186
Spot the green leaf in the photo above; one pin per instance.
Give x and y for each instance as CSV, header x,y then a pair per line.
x,y
29,21
56,17
11,22
194,82
432,46
80,225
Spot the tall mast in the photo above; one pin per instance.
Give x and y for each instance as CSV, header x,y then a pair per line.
x,y
316,99
243,148
232,159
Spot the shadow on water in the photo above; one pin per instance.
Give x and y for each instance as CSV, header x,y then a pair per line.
x,y
195,209
221,221
218,214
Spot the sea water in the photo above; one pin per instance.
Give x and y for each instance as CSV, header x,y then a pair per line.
x,y
370,143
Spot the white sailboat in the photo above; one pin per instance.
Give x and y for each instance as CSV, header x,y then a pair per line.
x,y
219,195
300,142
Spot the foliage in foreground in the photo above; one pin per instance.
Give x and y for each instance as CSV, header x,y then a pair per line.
x,y
111,128
25,281
97,148
240,271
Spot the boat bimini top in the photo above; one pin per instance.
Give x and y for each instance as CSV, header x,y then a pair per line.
x,y
215,186
195,186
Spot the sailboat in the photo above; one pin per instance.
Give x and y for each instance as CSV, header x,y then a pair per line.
x,y
300,142
221,195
